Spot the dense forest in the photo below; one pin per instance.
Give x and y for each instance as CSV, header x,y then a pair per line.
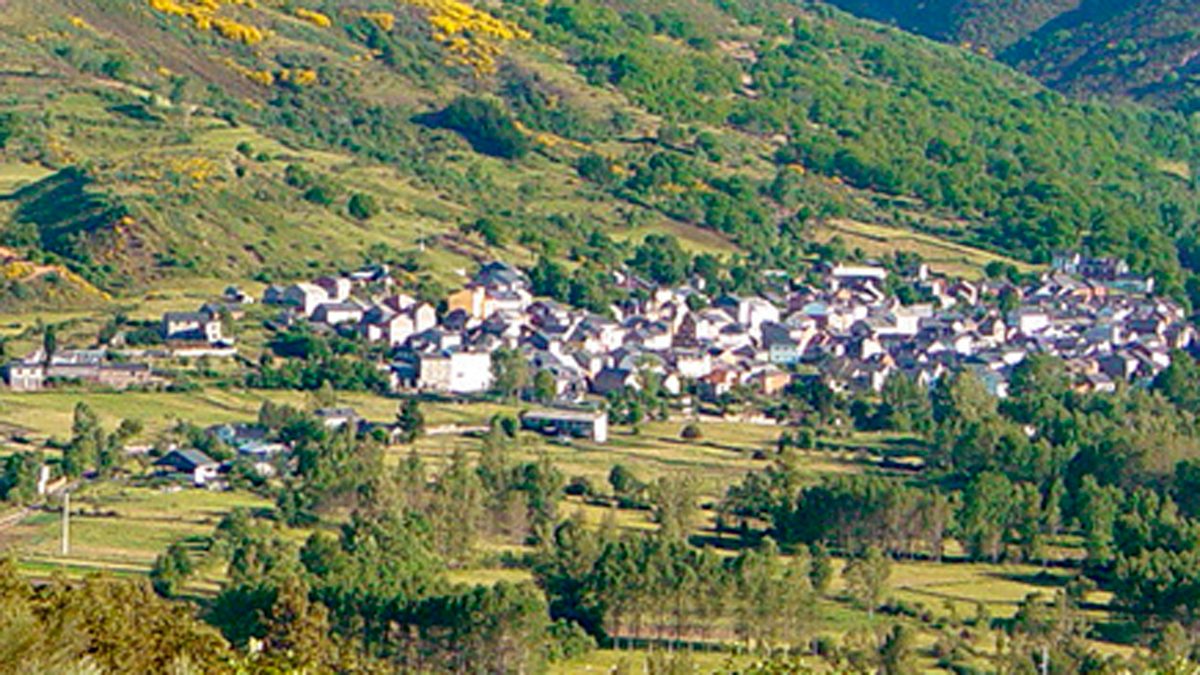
x,y
994,24
1106,48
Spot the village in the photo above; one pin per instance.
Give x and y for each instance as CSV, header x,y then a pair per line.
x,y
1103,321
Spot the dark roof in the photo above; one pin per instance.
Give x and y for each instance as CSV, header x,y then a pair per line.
x,y
186,460
499,274
611,379
181,317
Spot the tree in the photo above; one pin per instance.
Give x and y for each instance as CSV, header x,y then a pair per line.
x,y
50,341
488,127
170,570
548,279
410,420
545,389
542,484
905,405
1097,508
987,512
324,397
867,578
898,653
87,439
625,485
456,510
1180,382
675,506
297,630
19,477
822,570
100,624
362,206
510,372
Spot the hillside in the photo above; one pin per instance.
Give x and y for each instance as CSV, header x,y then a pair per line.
x,y
154,139
1145,50
992,24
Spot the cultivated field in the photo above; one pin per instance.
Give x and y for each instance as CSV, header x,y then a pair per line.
x,y
942,256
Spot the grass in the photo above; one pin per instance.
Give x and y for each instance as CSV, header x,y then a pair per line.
x,y
16,176
608,661
942,256
121,528
49,413
694,240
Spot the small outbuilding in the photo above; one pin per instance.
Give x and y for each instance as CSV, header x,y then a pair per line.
x,y
589,424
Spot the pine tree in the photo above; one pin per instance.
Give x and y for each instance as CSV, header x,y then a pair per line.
x,y
86,441
410,420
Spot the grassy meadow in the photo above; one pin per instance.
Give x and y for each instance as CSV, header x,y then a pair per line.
x,y
942,255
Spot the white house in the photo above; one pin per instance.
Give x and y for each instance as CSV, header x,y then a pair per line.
x,y
337,313
458,372
307,297
191,326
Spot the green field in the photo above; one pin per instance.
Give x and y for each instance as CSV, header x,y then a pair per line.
x,y
48,413
942,255
121,528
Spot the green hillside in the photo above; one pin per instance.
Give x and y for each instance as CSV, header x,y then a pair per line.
x,y
1110,48
993,24
150,139
1147,50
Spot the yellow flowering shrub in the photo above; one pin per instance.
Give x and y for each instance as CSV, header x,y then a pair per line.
x,y
298,76
315,18
264,77
203,14
385,20
16,269
198,169
471,36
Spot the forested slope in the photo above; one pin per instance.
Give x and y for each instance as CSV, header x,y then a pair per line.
x,y
994,24
1110,48
1147,50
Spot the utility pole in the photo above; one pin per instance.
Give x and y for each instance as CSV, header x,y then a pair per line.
x,y
66,524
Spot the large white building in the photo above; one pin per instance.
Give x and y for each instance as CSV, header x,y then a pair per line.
x,y
455,372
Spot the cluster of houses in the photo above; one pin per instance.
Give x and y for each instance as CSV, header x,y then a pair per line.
x,y
180,334
1101,319
850,329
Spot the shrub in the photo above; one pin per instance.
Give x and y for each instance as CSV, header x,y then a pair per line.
x,y
363,206
691,432
487,127
579,486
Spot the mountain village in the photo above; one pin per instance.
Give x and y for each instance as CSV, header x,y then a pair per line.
x,y
848,330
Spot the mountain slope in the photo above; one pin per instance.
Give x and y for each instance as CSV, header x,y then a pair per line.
x,y
228,138
1149,50
993,24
